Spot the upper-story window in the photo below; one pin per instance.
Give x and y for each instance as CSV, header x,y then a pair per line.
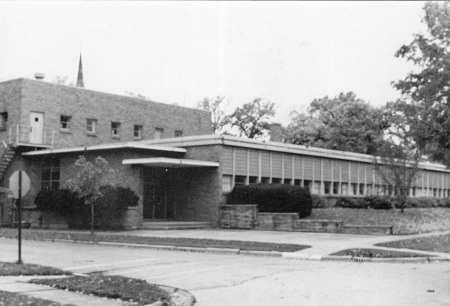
x,y
159,133
137,132
91,126
3,121
178,133
115,129
65,122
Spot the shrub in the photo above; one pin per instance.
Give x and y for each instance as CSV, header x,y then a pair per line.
x,y
273,198
109,210
318,202
379,202
349,202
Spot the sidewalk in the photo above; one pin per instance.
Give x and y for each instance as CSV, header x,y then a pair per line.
x,y
321,243
18,284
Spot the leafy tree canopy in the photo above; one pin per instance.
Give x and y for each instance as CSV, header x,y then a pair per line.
x,y
341,123
251,120
216,107
425,104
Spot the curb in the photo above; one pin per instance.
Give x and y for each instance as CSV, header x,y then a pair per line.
x,y
288,255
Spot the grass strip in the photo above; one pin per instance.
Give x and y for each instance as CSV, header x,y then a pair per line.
x,y
438,243
180,242
13,269
113,287
16,299
376,253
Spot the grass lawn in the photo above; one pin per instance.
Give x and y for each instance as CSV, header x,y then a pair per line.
x,y
185,242
15,299
412,221
13,269
114,287
376,253
438,243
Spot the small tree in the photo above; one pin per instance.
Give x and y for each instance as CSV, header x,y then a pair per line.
x,y
87,179
398,165
216,107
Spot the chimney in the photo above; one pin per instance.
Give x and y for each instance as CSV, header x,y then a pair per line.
x,y
39,76
275,132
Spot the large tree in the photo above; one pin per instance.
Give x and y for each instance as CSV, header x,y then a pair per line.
x,y
341,123
425,92
251,120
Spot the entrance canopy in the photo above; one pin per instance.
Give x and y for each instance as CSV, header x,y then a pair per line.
x,y
170,162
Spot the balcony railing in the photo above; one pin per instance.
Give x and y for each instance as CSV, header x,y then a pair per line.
x,y
22,135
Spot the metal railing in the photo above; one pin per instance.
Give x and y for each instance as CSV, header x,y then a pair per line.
x,y
23,135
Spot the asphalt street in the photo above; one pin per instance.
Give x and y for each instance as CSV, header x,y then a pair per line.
x,y
221,279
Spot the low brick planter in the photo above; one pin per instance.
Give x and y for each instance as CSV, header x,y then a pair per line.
x,y
237,216
276,221
325,226
369,230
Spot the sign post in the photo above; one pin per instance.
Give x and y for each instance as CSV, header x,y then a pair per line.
x,y
19,183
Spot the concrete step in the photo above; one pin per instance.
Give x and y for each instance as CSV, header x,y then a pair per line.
x,y
169,225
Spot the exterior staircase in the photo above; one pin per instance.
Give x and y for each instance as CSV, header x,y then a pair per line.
x,y
173,225
6,159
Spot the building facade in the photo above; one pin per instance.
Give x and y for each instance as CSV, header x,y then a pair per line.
x,y
176,167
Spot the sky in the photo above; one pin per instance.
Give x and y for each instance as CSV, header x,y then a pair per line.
x,y
181,52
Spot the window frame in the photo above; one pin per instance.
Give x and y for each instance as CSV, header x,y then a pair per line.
x,y
137,128
67,122
93,123
52,166
3,121
116,129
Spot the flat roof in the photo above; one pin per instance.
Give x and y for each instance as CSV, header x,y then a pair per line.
x,y
170,162
205,140
109,146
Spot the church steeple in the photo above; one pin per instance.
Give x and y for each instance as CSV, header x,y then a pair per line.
x,y
80,82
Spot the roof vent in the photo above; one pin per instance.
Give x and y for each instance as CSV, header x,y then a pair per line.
x,y
39,76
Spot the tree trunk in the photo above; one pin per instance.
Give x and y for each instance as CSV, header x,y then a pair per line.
x,y
92,218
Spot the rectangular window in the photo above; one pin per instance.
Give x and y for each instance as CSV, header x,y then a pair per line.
x,y
265,180
50,174
239,180
326,187
287,181
335,188
253,180
91,126
307,184
226,183
276,180
413,191
178,133
369,190
115,129
159,133
354,189
65,122
137,132
297,182
3,121
361,189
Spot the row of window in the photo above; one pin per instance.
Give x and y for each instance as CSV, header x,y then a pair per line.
x,y
335,188
116,128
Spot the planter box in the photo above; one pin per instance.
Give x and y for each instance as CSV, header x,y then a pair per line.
x,y
276,221
369,230
321,226
237,216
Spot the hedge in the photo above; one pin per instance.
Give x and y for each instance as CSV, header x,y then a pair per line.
x,y
277,198
109,210
386,202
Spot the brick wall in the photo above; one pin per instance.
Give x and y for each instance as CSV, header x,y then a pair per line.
x,y
55,100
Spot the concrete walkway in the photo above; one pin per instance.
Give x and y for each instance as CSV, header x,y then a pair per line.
x,y
321,243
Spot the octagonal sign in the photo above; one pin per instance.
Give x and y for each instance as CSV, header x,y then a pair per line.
x,y
14,183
